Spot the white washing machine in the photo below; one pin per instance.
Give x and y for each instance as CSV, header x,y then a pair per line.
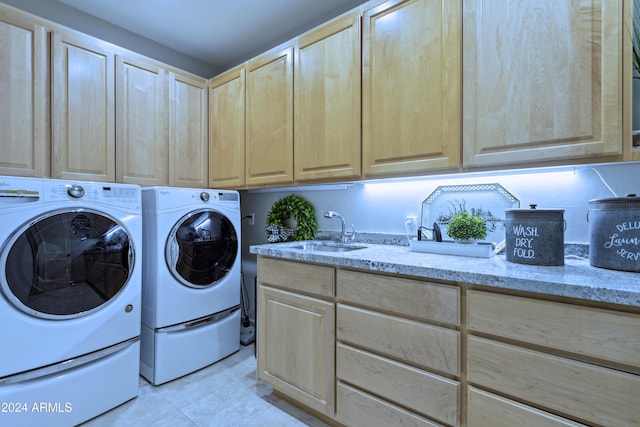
x,y
190,280
70,303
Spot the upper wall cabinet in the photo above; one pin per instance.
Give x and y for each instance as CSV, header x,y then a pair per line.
x,y
226,129
188,138
411,87
24,135
542,80
327,101
83,108
141,147
269,118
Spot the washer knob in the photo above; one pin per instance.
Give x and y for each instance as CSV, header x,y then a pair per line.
x,y
76,191
204,196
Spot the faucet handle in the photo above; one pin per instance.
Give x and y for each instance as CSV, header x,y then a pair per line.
x,y
350,235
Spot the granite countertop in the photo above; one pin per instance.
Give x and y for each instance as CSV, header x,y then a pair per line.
x,y
575,279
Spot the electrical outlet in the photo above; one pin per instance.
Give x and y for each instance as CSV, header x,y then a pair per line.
x,y
411,225
252,218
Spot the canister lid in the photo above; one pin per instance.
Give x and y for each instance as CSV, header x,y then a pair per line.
x,y
631,201
534,213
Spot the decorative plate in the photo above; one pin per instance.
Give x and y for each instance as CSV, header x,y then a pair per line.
x,y
484,200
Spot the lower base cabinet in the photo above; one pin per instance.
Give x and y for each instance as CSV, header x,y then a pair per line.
x,y
421,392
577,362
368,349
296,337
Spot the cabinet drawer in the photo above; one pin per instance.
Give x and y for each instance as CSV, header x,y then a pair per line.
x,y
314,279
428,346
487,409
586,331
356,408
587,392
425,300
407,386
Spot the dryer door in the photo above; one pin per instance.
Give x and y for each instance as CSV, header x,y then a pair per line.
x,y
66,263
201,248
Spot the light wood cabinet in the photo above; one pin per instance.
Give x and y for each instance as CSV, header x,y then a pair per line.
x,y
555,358
542,81
83,108
327,113
407,354
411,87
24,139
141,143
397,341
422,392
188,133
227,129
296,333
269,118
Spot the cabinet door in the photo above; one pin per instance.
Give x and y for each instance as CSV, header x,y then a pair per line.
x,y
542,80
188,142
226,129
142,144
296,344
327,101
83,111
24,141
411,87
269,115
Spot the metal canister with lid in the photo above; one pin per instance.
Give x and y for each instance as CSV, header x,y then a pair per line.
x,y
535,236
614,230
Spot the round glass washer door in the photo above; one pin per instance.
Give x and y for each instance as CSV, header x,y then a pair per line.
x,y
66,264
201,248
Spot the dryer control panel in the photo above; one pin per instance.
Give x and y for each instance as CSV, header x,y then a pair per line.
x,y
119,195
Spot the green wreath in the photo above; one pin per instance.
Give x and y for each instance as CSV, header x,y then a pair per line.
x,y
298,208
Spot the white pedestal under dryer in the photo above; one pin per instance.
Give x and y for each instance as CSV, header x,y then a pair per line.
x,y
70,299
190,280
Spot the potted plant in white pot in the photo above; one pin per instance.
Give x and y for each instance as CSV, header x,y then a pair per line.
x,y
465,227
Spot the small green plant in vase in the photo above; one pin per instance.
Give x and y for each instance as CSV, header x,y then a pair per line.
x,y
464,227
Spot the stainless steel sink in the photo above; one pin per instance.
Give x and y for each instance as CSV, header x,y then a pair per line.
x,y
327,247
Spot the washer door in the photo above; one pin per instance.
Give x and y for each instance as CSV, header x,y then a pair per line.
x,y
66,264
201,248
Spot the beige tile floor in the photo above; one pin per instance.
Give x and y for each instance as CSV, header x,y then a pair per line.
x,y
224,394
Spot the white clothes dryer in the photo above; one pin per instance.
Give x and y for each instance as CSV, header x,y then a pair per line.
x,y
190,280
70,299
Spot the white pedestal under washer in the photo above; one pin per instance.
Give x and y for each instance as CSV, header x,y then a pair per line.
x,y
70,299
191,280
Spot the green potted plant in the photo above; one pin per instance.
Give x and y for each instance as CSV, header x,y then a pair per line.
x,y
465,227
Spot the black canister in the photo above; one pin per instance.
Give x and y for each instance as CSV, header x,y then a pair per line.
x,y
535,236
614,230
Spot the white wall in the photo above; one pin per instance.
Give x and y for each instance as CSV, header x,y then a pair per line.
x,y
382,207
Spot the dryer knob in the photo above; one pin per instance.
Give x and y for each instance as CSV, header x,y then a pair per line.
x,y
204,196
75,191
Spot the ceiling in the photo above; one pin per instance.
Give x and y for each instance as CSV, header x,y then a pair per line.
x,y
220,33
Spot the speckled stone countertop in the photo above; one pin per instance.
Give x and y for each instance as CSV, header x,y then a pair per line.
x,y
575,279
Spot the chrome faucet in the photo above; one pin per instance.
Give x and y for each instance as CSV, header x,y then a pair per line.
x,y
346,235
